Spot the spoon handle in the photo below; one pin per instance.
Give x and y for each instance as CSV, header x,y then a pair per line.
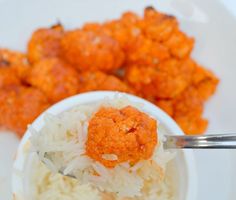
x,y
217,141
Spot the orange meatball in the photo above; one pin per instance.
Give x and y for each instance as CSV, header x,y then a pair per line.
x,y
179,44
158,26
19,107
45,43
128,134
90,81
16,61
55,78
92,51
166,80
144,51
188,107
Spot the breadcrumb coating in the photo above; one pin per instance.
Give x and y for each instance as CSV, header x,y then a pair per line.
x,y
166,80
55,78
45,43
16,61
158,26
128,133
90,51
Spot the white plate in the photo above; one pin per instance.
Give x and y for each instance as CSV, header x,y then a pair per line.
x,y
212,23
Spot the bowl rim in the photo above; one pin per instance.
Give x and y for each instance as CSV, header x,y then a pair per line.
x,y
89,97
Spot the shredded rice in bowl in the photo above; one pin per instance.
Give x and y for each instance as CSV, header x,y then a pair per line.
x,y
61,147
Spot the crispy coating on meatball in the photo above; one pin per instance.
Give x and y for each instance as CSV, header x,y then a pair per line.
x,y
166,80
55,78
188,102
128,134
173,76
144,51
20,105
16,61
123,30
179,44
90,81
8,77
45,43
188,107
158,26
90,51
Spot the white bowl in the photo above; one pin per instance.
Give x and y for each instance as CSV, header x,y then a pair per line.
x,y
187,183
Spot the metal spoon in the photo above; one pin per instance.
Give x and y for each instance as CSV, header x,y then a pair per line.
x,y
217,141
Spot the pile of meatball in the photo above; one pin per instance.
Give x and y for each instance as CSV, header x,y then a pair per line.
x,y
148,56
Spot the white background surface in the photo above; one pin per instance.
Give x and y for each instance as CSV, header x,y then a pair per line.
x,y
211,22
